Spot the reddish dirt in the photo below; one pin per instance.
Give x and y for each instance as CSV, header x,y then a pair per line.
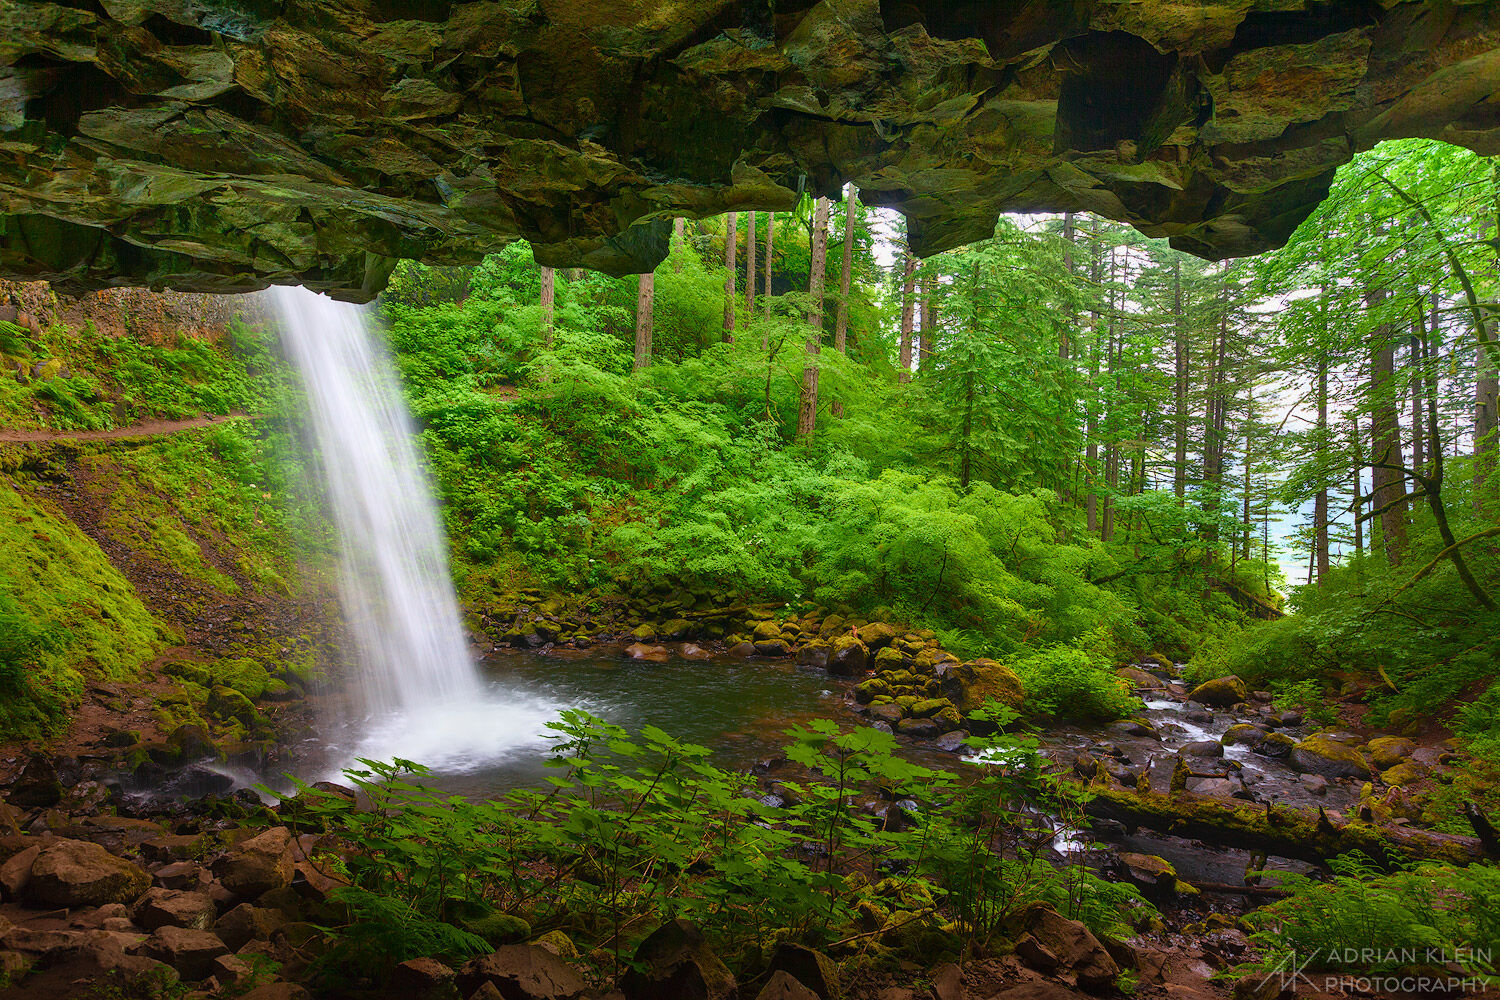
x,y
146,428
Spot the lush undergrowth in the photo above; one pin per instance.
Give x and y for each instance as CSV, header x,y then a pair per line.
x,y
638,830
561,468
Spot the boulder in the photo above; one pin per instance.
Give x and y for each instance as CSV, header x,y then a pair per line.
x,y
1331,759
641,651
922,729
675,963
37,786
814,654
16,872
677,628
1202,748
190,952
1404,773
868,690
260,864
1138,678
766,630
420,977
78,873
888,712
970,685
847,656
1221,692
1315,784
1388,751
692,651
741,650
521,972
812,969
1242,733
784,986
246,923
178,875
174,908
772,647
878,635
1076,948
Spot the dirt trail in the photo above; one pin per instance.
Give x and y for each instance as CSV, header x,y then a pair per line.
x,y
146,428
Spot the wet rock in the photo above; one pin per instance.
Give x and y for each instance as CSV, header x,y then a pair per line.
x,y
521,972
741,650
784,986
1277,745
813,969
772,647
1221,692
1132,728
868,690
814,654
173,908
847,656
190,952
887,712
79,873
258,865
922,729
1325,756
1140,679
1202,748
952,742
1242,734
675,963
1315,784
1218,788
37,786
970,685
641,651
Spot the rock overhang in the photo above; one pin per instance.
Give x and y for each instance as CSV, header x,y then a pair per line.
x,y
223,145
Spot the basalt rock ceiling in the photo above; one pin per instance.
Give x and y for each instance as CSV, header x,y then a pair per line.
x,y
222,145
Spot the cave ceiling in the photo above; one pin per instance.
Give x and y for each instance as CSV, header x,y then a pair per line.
x,y
221,145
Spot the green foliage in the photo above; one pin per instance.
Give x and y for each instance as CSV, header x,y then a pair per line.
x,y
1069,682
1370,922
637,829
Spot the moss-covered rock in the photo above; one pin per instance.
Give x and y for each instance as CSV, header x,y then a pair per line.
x,y
246,676
1242,733
929,706
889,658
867,691
970,685
1320,755
1221,692
1388,751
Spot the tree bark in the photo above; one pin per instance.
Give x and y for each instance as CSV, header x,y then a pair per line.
x,y
1357,506
807,412
1385,438
549,296
1487,375
643,304
846,277
731,237
929,341
1180,367
1320,503
908,289
679,236
749,265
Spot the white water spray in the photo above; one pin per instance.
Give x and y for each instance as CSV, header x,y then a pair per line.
x,y
418,687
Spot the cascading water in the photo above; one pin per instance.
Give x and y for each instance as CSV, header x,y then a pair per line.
x,y
418,693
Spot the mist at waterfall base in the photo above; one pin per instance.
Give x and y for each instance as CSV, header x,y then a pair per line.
x,y
416,692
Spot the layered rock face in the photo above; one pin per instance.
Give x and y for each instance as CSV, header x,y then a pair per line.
x,y
220,145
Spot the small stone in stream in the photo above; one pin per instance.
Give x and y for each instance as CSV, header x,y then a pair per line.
x,y
1200,716
174,908
641,651
952,742
190,952
690,651
918,728
1132,727
772,647
1314,783
741,650
815,655
78,873
783,986
1217,788
1203,748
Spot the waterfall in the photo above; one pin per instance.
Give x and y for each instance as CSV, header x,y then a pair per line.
x,y
418,693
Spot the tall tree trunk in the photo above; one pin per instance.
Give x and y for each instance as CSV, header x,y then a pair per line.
x,y
1414,362
929,339
1320,502
1245,528
1062,340
908,289
1091,421
1357,506
749,265
966,454
1385,438
549,296
765,292
846,277
1486,374
731,237
807,412
643,303
1180,357
679,237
